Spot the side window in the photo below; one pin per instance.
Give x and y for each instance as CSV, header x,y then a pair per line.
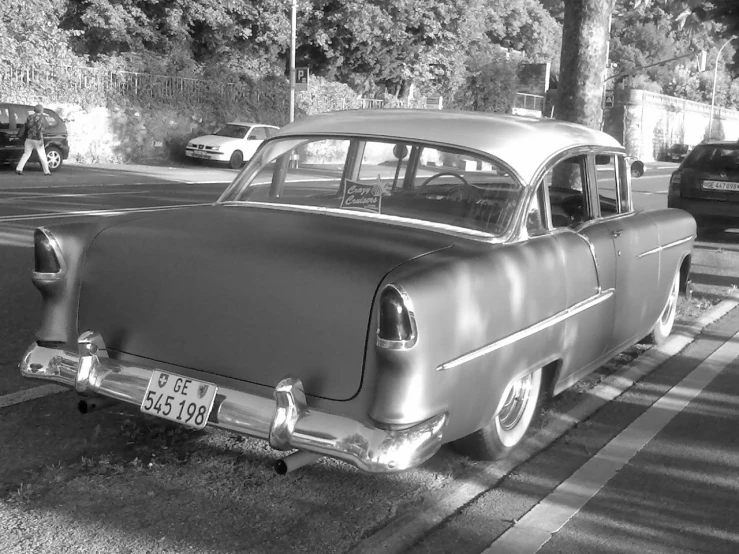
x,y
611,183
568,192
21,114
4,117
258,133
51,121
535,224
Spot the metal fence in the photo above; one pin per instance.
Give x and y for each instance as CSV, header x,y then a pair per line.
x,y
60,80
527,101
431,102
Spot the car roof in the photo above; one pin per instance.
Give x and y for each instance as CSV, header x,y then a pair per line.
x,y
524,143
248,124
718,142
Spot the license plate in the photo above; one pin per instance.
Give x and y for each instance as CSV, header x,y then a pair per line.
x,y
720,185
200,155
181,399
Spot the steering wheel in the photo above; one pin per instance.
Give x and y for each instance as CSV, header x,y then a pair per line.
x,y
574,209
463,192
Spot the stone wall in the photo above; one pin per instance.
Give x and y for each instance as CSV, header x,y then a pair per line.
x,y
647,123
135,134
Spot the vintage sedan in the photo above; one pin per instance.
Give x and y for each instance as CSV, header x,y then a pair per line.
x,y
372,285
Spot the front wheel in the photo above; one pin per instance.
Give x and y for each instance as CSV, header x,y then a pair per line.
x,y
54,158
237,158
507,428
663,327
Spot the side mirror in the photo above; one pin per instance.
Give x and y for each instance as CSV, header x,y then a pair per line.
x,y
637,168
400,151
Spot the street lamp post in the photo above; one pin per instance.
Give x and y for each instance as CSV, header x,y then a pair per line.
x,y
713,93
292,61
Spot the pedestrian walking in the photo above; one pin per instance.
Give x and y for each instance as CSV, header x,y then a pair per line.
x,y
34,135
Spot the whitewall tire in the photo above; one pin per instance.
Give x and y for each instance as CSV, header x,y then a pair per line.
x,y
662,329
508,426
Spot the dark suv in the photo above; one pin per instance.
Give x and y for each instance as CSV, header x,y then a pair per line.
x,y
12,117
707,184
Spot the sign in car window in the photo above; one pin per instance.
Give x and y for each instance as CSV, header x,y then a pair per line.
x,y
365,196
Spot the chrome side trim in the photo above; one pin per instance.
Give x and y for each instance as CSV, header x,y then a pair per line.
x,y
401,344
666,246
60,258
531,330
287,421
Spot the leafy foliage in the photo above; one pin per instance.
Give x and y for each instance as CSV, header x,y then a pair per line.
x,y
490,87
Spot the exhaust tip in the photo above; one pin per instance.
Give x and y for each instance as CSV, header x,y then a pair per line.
x,y
280,467
295,461
87,405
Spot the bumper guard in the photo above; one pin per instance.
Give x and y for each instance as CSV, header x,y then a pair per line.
x,y
287,422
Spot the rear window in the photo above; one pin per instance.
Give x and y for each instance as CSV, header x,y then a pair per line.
x,y
719,157
382,177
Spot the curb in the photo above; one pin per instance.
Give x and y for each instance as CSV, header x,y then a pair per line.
x,y
407,529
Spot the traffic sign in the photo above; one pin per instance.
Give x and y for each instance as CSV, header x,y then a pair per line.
x,y
301,78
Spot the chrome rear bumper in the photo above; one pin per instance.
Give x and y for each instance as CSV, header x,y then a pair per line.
x,y
286,421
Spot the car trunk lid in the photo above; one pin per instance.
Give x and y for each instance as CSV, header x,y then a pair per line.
x,y
248,293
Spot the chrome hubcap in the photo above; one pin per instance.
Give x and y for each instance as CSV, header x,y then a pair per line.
x,y
670,306
515,403
53,160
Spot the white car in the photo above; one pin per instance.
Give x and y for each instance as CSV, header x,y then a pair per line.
x,y
235,143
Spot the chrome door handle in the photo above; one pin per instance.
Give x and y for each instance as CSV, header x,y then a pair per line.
x,y
617,233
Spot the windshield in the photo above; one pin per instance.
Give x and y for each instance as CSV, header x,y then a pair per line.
x,y
713,158
233,131
414,181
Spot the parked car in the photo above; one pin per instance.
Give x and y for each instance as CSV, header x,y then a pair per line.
x,y
376,283
235,143
706,184
677,152
13,117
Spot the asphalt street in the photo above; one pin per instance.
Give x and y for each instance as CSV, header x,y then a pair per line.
x,y
655,470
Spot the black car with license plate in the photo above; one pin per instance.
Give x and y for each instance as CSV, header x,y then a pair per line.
x,y
707,184
13,117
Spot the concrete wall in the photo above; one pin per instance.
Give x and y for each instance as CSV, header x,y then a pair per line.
x,y
647,123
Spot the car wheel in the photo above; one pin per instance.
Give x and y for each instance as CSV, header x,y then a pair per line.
x,y
54,158
663,327
508,427
237,158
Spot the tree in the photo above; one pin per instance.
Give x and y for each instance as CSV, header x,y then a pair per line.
x,y
585,35
586,32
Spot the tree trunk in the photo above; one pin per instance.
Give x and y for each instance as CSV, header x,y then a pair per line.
x,y
585,37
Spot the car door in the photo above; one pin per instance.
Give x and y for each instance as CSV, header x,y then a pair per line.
x,y
20,114
634,236
10,144
7,136
590,264
255,137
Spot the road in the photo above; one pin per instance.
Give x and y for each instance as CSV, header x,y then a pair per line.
x,y
116,482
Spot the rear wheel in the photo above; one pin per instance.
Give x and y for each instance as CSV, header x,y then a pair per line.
x,y
54,158
507,428
663,327
237,158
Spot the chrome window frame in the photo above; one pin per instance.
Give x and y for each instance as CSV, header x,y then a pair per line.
x,y
512,232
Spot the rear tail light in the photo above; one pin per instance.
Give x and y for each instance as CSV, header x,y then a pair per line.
x,y
675,184
676,179
397,324
47,254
